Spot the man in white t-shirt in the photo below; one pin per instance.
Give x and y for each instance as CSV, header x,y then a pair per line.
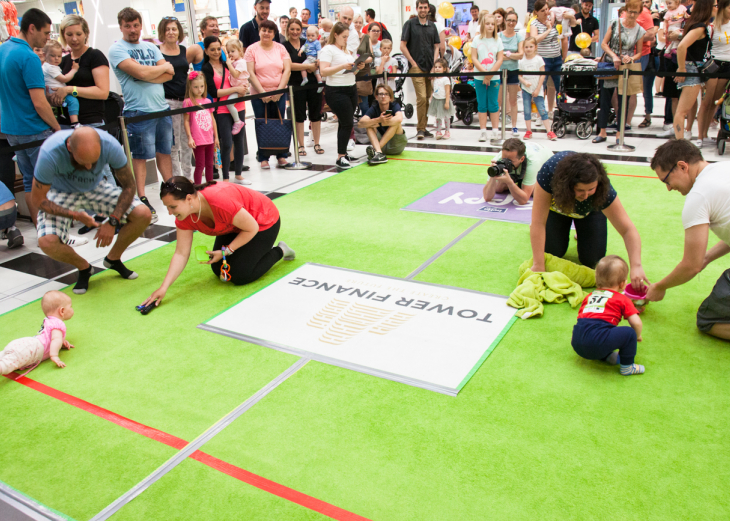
x,y
527,159
473,27
346,17
680,165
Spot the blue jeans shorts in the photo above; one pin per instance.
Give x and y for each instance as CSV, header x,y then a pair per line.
x,y
149,137
690,82
27,158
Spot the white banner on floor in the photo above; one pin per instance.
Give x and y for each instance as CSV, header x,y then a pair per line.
x,y
421,334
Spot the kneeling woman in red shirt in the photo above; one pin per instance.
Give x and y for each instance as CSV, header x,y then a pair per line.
x,y
243,221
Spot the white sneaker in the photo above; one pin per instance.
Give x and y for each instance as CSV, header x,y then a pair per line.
x,y
75,241
708,142
667,126
241,181
538,122
688,136
496,135
483,135
509,121
309,140
288,252
696,142
351,145
669,133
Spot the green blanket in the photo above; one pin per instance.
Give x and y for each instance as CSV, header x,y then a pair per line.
x,y
562,281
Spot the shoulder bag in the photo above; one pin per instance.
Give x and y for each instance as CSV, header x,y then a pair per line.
x,y
275,134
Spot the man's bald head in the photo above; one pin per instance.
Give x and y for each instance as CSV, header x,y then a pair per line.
x,y
85,147
346,15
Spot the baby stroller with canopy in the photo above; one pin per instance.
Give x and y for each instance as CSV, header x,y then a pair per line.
x,y
583,110
398,94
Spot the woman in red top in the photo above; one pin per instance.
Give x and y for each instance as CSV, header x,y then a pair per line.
x,y
243,221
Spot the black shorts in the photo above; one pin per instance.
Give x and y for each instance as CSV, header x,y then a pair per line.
x,y
716,308
513,78
307,99
670,87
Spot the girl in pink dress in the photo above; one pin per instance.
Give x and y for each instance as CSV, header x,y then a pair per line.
x,y
200,126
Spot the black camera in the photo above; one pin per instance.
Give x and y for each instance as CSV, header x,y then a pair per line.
x,y
500,166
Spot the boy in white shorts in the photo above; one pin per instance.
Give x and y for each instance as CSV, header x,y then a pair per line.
x,y
68,177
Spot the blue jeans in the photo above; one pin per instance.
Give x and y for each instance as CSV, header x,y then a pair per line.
x,y
649,83
72,104
28,157
259,109
149,137
595,339
553,65
487,97
527,101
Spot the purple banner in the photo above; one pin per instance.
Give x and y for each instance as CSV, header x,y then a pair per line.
x,y
466,200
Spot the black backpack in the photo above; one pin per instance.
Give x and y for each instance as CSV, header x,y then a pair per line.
x,y
113,107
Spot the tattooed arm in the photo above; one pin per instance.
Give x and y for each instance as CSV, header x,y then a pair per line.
x,y
39,196
129,188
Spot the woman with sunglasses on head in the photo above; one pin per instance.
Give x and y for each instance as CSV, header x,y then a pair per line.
x,y
172,34
244,222
513,43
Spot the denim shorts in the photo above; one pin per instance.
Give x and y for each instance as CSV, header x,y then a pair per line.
x,y
27,158
513,78
691,81
149,137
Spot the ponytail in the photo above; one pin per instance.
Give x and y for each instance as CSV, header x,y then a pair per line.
x,y
180,187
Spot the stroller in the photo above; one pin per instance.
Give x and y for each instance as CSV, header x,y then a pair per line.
x,y
724,131
399,94
583,110
464,98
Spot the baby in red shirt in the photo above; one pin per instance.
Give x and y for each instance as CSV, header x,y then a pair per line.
x,y
597,335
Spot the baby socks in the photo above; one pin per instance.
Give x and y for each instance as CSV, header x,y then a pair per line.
x,y
628,370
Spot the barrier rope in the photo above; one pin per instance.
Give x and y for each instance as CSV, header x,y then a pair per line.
x,y
475,74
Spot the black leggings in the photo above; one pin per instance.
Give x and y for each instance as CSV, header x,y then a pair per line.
x,y
7,166
252,260
228,140
606,98
342,101
592,233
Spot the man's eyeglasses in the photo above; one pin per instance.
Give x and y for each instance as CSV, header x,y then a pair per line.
x,y
381,94
668,173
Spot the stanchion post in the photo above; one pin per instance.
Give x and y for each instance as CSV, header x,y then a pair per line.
x,y
296,165
503,80
621,146
125,140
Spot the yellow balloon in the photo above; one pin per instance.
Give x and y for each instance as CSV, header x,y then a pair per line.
x,y
455,41
583,40
446,10
559,28
467,51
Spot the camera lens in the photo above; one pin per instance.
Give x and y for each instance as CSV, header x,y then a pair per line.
x,y
493,171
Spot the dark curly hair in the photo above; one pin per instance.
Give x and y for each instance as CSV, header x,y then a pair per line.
x,y
574,169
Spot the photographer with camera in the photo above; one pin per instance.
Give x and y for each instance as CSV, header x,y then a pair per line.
x,y
515,169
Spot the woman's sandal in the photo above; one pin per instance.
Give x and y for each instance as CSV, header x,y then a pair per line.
x,y
318,149
302,151
599,139
646,123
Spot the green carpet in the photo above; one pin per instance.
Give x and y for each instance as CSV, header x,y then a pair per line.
x,y
536,433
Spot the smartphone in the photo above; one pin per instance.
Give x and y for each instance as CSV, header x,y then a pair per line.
x,y
388,113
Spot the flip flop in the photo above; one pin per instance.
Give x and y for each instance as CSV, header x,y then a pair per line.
x,y
318,149
302,151
599,139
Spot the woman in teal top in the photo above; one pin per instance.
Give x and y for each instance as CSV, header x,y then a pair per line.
x,y
512,42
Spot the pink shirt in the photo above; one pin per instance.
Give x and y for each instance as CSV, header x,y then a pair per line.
x,y
201,123
242,80
269,65
44,335
226,85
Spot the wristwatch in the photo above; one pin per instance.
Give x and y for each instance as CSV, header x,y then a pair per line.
x,y
75,93
113,221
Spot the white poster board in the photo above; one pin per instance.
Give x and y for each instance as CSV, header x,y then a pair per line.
x,y
421,334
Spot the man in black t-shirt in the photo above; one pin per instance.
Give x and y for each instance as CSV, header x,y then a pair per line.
x,y
585,23
383,122
249,32
420,43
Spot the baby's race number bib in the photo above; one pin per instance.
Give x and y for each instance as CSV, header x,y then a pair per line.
x,y
597,302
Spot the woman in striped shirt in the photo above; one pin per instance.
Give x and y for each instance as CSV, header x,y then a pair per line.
x,y
548,47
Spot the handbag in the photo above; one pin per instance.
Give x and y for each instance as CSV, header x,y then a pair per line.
x,y
364,88
636,85
275,134
709,66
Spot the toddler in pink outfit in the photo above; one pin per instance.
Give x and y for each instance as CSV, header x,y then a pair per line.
x,y
239,77
28,352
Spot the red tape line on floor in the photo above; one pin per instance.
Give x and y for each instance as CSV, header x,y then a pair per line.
x,y
483,164
238,473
